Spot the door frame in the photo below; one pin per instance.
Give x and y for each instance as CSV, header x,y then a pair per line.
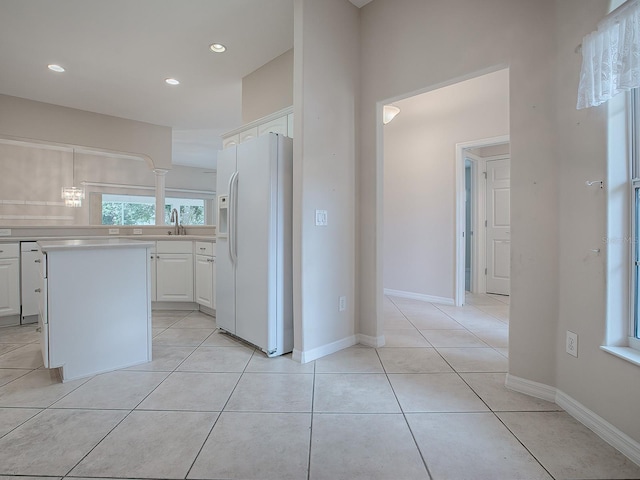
x,y
478,194
460,224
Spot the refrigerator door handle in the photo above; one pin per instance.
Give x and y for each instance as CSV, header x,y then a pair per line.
x,y
233,203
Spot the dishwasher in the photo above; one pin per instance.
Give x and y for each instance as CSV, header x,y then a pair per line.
x,y
29,281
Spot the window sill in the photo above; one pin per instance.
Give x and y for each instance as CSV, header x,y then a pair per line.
x,y
626,353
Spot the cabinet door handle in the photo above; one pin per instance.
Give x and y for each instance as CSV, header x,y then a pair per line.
x,y
1,251
37,261
37,290
210,260
151,257
157,256
202,248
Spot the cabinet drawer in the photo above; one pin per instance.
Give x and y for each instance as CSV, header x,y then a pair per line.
x,y
177,246
205,248
9,250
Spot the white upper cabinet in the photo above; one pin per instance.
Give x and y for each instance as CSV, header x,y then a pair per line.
x,y
248,134
230,141
277,125
279,122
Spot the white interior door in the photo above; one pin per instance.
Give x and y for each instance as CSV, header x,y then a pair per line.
x,y
498,226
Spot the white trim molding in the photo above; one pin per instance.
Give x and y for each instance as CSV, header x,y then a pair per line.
x,y
609,433
594,422
533,389
305,356
370,341
419,296
459,263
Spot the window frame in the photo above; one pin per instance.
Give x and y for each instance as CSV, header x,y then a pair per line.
x,y
634,210
173,201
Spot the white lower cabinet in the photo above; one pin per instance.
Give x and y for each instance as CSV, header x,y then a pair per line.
x,y
9,279
206,274
174,271
29,281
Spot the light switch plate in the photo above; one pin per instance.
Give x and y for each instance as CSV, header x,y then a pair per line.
x,y
342,303
321,218
572,343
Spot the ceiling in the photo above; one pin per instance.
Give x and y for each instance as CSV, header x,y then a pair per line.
x,y
117,54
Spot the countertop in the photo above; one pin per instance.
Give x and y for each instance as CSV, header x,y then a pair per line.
x,y
92,244
147,238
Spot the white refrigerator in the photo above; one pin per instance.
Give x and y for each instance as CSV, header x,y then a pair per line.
x,y
254,298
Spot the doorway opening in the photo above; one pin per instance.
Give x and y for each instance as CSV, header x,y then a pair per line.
x,y
422,185
483,223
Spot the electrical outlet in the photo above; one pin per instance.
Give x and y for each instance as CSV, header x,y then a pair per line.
x,y
114,231
321,218
342,303
572,343
137,231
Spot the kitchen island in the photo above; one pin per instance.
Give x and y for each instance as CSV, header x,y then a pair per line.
x,y
94,305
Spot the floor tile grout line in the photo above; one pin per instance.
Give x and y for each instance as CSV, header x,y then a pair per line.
x,y
313,397
404,416
523,445
124,418
490,410
98,443
223,410
118,423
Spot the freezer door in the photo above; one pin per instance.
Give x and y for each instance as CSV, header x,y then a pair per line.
x,y
225,273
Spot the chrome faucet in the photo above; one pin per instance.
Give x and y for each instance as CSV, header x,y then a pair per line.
x,y
174,218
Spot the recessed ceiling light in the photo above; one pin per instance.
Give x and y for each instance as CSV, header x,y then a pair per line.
x,y
172,81
55,68
217,47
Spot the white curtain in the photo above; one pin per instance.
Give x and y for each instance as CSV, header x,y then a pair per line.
x,y
611,56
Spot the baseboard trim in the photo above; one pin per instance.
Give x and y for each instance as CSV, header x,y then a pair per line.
x,y
370,341
305,356
209,311
608,432
420,296
531,388
594,422
174,306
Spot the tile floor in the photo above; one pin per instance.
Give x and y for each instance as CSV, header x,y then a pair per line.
x,y
431,404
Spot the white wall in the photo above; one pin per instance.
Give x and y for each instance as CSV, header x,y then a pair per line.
x,y
557,282
268,89
603,383
437,43
33,174
28,119
326,38
420,183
